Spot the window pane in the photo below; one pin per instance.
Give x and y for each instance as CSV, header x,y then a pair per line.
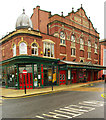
x,y
32,50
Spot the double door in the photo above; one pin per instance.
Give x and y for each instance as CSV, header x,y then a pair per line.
x,y
26,80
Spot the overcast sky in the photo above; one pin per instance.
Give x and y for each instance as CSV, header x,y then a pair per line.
x,y
11,9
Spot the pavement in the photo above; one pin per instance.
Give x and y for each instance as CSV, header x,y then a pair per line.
x,y
14,93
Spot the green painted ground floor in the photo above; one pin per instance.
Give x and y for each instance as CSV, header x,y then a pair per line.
x,y
34,72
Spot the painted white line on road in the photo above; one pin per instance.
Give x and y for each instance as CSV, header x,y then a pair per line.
x,y
83,108
94,102
74,114
64,112
72,110
39,117
76,110
52,116
89,104
61,115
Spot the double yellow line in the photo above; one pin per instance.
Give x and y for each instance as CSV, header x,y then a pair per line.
x,y
103,95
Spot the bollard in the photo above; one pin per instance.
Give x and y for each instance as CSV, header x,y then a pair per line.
x,y
52,86
25,89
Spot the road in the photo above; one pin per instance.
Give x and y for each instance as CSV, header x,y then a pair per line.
x,y
60,105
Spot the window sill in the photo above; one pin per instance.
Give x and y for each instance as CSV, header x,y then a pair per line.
x,y
34,55
73,56
48,57
73,47
63,54
95,52
95,60
89,58
62,45
82,49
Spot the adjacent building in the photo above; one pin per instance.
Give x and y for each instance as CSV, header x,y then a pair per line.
x,y
50,49
102,57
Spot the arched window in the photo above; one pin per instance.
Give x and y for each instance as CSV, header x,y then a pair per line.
x,y
14,49
81,43
34,49
96,47
62,37
89,43
23,48
72,38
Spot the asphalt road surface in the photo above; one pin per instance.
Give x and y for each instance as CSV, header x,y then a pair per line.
x,y
83,102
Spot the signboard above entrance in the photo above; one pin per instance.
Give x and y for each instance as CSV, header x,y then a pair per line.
x,y
24,71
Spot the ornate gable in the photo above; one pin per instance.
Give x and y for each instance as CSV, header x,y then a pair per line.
x,y
81,18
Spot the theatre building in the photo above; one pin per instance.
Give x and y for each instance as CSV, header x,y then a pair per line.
x,y
50,49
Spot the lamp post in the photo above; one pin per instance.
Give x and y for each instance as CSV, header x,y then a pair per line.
x,y
25,73
52,73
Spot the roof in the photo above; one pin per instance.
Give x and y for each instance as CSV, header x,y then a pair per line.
x,y
89,64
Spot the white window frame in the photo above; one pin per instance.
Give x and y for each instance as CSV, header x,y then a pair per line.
x,y
73,38
72,52
23,50
81,43
46,47
89,55
96,47
62,38
35,49
14,49
89,43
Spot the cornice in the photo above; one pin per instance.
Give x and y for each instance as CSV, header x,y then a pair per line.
x,y
20,31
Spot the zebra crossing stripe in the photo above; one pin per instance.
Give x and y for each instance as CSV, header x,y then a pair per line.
x,y
76,110
74,114
39,117
83,108
90,104
73,110
52,116
61,115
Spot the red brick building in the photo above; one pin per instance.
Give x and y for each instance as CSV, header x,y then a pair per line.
x,y
102,52
50,49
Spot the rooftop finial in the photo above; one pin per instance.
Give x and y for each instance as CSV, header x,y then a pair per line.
x,y
72,9
23,11
81,5
62,13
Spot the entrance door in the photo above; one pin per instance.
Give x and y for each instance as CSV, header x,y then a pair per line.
x,y
73,77
26,79
89,76
62,77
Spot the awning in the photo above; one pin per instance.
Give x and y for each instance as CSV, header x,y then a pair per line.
x,y
82,65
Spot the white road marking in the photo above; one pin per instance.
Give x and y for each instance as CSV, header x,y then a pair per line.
x,y
83,108
73,110
90,104
74,114
52,116
77,110
60,115
39,117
